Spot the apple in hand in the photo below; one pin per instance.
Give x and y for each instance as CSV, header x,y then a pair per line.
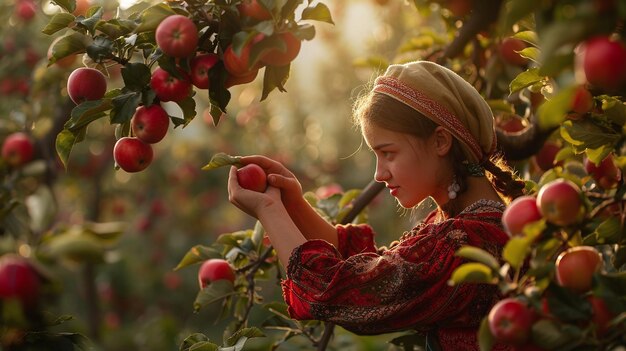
x,y
215,269
18,149
252,177
132,154
177,36
520,212
606,174
575,268
150,123
19,280
277,57
200,66
560,202
86,84
168,87
510,321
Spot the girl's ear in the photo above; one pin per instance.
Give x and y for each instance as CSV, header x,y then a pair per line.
x,y
443,141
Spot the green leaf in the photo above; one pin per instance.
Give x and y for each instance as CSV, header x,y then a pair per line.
x,y
257,234
71,44
100,49
274,77
219,96
485,338
410,341
67,5
220,160
566,305
216,291
527,36
193,340
530,53
516,250
289,8
556,63
197,254
58,22
204,346
188,105
525,79
479,255
124,107
609,231
87,112
472,273
95,16
585,135
554,111
614,109
136,76
75,246
64,143
152,16
547,334
242,334
319,12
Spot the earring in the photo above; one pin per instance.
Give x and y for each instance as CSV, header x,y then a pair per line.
x,y
453,189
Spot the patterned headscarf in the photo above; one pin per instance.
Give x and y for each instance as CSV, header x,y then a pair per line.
x,y
443,96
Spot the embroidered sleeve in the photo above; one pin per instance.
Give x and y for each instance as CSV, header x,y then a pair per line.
x,y
405,287
355,239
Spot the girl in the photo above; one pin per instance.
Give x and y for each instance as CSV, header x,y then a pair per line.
x,y
433,136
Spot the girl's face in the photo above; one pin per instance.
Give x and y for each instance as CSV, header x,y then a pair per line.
x,y
410,167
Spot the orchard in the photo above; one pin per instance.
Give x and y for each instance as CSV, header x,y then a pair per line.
x,y
121,120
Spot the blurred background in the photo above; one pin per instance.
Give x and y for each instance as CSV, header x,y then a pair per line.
x,y
123,293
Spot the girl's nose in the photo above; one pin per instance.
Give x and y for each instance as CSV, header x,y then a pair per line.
x,y
382,174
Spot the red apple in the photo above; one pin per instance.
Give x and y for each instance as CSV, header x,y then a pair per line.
x,y
168,87
177,36
575,268
240,65
19,280
81,7
132,154
560,202
200,66
546,155
25,10
582,101
508,50
253,9
150,123
510,321
277,57
18,149
601,314
511,123
607,175
237,80
86,84
215,269
520,212
603,62
252,177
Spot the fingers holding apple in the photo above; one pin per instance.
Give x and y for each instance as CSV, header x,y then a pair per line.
x,y
252,177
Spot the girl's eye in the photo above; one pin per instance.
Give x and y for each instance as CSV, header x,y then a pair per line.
x,y
386,154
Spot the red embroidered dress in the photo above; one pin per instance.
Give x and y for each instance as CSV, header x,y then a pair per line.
x,y
373,291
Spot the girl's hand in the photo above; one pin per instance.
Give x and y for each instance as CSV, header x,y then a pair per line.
x,y
280,177
251,202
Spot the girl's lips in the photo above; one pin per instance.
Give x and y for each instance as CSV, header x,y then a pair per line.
x,y
393,190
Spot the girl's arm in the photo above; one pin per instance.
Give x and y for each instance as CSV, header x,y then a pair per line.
x,y
308,221
268,208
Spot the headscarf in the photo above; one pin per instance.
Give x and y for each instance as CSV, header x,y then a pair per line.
x,y
447,99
